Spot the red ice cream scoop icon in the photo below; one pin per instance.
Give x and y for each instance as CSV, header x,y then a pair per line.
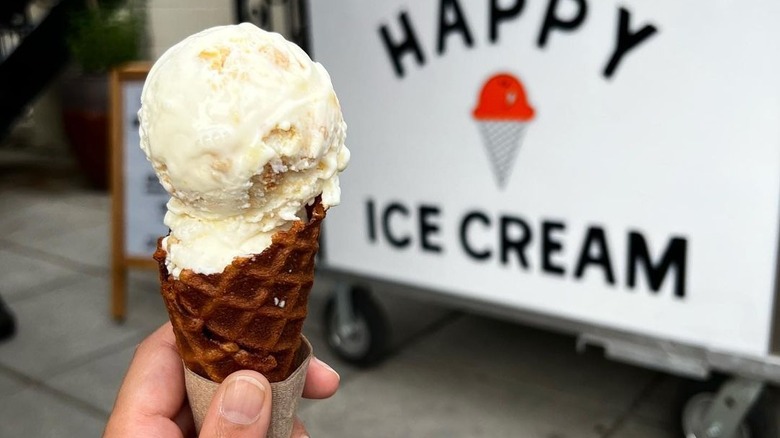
x,y
503,115
503,98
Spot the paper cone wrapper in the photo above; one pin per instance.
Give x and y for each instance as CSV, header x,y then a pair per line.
x,y
285,394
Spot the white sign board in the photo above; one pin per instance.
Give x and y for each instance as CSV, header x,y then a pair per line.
x,y
145,198
614,163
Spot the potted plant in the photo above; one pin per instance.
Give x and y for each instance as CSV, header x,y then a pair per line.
x,y
101,36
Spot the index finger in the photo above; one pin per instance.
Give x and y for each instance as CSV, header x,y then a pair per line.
x,y
156,373
321,380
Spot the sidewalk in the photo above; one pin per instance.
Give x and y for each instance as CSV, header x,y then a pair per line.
x,y
451,374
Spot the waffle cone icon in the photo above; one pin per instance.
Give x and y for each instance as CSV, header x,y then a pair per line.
x,y
503,115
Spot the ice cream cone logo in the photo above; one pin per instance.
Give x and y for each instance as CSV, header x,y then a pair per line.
x,y
503,114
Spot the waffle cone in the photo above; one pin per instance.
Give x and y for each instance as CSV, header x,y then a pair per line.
x,y
250,315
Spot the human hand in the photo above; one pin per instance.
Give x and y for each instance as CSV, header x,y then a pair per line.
x,y
152,400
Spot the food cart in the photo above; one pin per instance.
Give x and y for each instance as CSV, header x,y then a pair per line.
x,y
609,169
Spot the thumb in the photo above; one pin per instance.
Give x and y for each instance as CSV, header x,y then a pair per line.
x,y
241,407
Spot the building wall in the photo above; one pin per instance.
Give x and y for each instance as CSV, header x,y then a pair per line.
x,y
170,21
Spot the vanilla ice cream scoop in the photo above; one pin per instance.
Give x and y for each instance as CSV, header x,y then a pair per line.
x,y
244,130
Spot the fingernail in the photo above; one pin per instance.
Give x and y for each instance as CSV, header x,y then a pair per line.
x,y
327,367
243,400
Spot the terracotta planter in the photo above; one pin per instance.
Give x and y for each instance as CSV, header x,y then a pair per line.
x,y
85,120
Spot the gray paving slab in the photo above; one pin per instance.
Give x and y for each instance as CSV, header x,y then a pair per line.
x,y
406,398
10,384
635,428
408,317
560,417
536,357
61,328
40,216
145,307
22,275
97,382
35,412
86,199
14,206
659,405
86,246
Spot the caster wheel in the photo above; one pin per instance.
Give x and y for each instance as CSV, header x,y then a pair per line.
x,y
697,397
696,409
360,336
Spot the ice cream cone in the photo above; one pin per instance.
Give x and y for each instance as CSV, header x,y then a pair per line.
x,y
249,316
502,140
245,132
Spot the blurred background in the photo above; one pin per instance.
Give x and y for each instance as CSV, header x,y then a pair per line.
x,y
415,361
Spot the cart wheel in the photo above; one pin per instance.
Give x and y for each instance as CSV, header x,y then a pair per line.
x,y
360,338
697,397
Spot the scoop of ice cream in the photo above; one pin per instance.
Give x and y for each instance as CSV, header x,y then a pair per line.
x,y
244,130
503,98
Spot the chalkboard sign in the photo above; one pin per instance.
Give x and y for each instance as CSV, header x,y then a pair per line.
x,y
138,198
